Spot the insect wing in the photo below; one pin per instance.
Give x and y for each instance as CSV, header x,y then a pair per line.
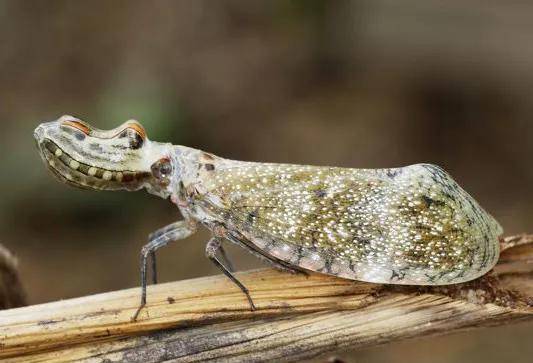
x,y
411,225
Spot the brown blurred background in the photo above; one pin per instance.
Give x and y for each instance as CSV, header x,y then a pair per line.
x,y
357,84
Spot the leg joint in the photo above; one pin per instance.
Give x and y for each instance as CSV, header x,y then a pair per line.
x,y
212,247
146,249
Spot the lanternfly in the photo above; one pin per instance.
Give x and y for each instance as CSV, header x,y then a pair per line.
x,y
412,225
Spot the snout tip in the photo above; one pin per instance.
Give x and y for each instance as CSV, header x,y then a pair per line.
x,y
38,133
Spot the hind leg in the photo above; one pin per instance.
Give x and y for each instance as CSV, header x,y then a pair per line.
x,y
213,246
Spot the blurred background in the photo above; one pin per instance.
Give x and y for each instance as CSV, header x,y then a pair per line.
x,y
363,84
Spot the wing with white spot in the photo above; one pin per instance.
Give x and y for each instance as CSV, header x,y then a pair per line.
x,y
411,225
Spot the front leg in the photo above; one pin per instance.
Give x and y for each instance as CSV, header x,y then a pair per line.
x,y
153,236
158,239
161,231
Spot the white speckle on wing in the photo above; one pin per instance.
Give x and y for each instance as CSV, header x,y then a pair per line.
x,y
406,225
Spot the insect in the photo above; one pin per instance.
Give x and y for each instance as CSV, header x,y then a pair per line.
x,y
412,225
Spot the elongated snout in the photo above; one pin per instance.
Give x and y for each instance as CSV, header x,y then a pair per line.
x,y
94,159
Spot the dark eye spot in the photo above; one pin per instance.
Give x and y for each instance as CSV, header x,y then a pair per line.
x,y
136,141
80,136
320,193
209,167
252,216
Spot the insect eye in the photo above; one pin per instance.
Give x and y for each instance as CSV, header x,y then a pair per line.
x,y
162,169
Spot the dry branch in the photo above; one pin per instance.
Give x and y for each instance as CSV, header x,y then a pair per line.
x,y
11,292
298,317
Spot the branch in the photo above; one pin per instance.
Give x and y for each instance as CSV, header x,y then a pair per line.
x,y
298,317
12,294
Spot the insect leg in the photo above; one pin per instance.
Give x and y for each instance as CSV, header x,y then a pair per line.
x,y
165,229
224,256
211,249
174,232
154,267
283,268
277,264
153,236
